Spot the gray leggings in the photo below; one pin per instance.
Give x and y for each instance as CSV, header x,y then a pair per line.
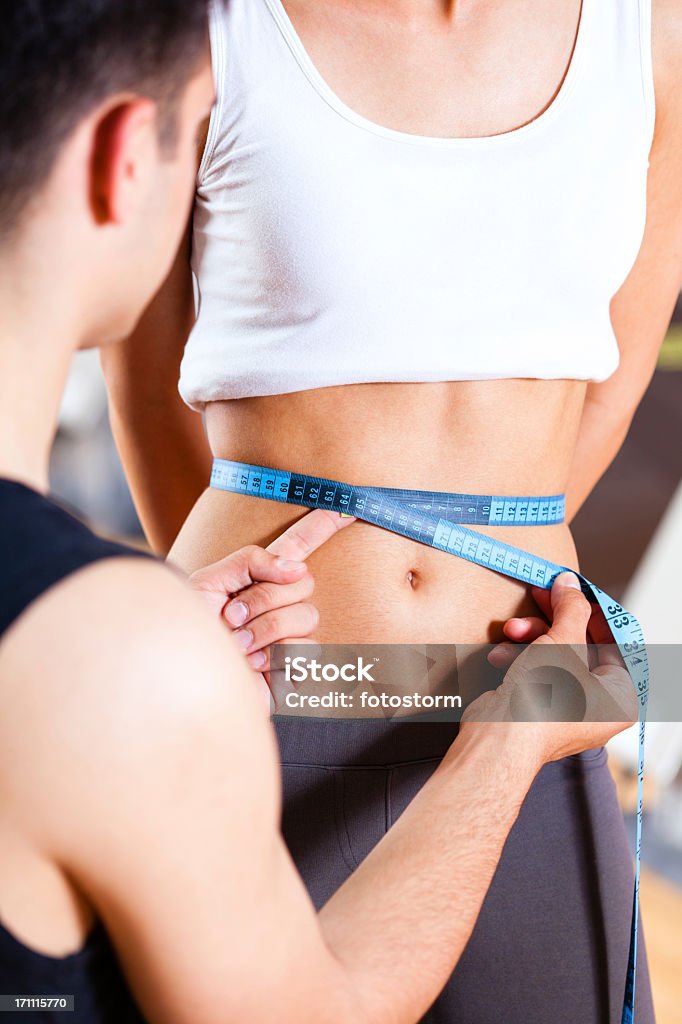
x,y
551,943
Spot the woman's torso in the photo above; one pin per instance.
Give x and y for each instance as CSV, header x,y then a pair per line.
x,y
500,437
545,123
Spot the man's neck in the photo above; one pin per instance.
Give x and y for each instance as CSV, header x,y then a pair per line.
x,y
36,345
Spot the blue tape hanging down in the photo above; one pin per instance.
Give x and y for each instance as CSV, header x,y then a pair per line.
x,y
441,520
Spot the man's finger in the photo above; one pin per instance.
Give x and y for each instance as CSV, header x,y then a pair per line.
x,y
241,569
571,611
602,645
600,631
503,655
296,620
263,597
525,630
276,678
308,533
597,629
615,691
520,631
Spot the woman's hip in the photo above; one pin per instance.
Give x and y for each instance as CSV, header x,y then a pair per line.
x,y
551,941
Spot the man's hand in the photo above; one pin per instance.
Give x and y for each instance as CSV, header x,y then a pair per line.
x,y
263,594
527,629
556,665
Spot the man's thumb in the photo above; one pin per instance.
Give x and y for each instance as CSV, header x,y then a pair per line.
x,y
566,579
570,610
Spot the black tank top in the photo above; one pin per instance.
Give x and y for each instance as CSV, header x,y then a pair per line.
x,y
40,544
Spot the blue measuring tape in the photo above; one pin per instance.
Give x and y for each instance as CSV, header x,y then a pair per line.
x,y
441,521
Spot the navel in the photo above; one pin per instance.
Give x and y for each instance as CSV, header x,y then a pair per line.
x,y
413,578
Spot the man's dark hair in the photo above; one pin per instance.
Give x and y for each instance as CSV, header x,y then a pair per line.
x,y
60,58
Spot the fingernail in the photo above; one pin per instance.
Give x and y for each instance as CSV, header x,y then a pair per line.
x,y
289,566
257,660
244,638
568,579
236,613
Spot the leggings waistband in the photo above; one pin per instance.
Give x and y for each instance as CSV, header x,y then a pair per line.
x,y
361,742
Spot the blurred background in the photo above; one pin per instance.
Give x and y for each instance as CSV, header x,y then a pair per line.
x,y
632,548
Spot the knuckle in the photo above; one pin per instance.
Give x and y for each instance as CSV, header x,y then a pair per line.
x,y
264,595
238,557
301,549
263,598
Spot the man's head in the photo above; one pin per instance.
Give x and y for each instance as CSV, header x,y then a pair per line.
x,y
100,104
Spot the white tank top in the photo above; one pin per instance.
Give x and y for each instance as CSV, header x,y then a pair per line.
x,y
331,250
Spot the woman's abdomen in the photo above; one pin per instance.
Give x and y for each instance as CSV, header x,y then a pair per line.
x,y
491,437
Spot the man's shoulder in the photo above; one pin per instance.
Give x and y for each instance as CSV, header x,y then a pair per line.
x,y
116,673
42,543
118,689
117,639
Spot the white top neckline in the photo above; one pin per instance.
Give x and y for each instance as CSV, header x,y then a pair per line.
x,y
324,90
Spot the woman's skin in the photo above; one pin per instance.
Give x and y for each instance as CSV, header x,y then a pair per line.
x,y
468,69
373,586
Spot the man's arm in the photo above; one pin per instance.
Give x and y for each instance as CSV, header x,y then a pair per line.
x,y
641,310
163,805
162,442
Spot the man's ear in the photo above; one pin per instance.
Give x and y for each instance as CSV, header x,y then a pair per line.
x,y
124,153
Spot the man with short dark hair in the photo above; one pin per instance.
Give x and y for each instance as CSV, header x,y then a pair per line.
x,y
141,868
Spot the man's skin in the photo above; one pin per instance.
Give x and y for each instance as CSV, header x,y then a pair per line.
x,y
138,777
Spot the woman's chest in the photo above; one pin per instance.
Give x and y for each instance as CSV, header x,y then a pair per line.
x,y
436,69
